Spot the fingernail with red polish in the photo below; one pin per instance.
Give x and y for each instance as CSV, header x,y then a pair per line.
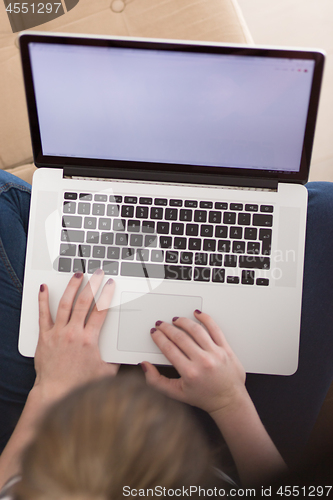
x,y
153,330
175,318
197,311
42,288
143,366
109,281
158,323
78,275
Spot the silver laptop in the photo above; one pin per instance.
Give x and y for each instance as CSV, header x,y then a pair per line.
x,y
179,169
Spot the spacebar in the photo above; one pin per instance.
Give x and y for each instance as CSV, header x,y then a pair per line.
x,y
159,271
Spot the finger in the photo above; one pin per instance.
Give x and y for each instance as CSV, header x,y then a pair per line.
x,y
180,338
170,387
66,301
213,329
45,320
170,350
196,331
85,298
100,310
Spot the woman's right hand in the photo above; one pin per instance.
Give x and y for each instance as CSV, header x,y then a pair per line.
x,y
211,376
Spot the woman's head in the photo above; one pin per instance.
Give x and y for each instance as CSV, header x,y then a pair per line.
x,y
109,434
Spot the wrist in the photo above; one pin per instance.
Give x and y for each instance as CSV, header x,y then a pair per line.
x,y
231,405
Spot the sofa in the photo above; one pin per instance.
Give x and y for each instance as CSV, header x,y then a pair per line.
x,y
214,20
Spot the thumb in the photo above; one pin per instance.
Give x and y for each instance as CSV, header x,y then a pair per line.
x,y
169,386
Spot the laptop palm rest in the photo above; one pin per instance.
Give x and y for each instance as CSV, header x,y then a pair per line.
x,y
145,310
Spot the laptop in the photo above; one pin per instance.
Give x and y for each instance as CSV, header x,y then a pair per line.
x,y
179,169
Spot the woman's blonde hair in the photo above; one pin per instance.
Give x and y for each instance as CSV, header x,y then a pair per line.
x,y
112,433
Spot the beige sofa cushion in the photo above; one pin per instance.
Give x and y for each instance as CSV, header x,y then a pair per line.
x,y
216,20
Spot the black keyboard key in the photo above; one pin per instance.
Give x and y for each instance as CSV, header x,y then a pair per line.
x,y
122,239
163,228
148,226
133,226
229,218
93,265
180,243
186,258
113,253
218,275
113,210
230,260
142,254
136,240
221,231
127,211
253,247
233,279
194,244
209,245
176,203
248,277
141,212
98,209
131,199
177,228
236,206
262,282
191,203
119,224
262,220
183,273
171,257
265,235
84,250
107,238
64,265
145,201
200,216
157,256
215,259
251,208
72,221
201,274
110,268
161,201
83,208
206,204
250,233
72,236
185,215
221,205
201,259
244,219
238,246
79,266
85,196
92,237
224,246
104,224
127,253
70,196
236,232
165,241
100,197
252,262
206,231
142,270
69,207
117,198
215,217
67,250
151,241
192,229
156,213
266,208
98,252
90,222
171,213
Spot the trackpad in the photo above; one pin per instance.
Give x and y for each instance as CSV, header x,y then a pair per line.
x,y
138,314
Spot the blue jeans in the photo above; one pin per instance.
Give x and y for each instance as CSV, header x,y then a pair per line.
x,y
288,406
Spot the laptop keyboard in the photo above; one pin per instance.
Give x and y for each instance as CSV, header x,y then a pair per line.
x,y
189,240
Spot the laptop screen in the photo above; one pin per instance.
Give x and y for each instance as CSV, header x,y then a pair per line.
x,y
171,107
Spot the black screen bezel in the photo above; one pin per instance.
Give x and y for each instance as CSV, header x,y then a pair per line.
x,y
166,171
